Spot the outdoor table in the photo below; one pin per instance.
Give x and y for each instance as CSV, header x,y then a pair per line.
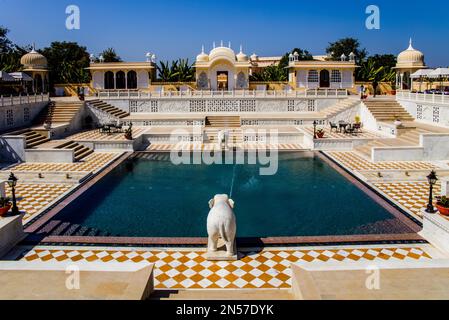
x,y
343,125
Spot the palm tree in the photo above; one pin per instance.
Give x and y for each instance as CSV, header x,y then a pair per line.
x,y
166,73
185,72
109,55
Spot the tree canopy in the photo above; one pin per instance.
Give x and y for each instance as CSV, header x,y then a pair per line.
x,y
109,55
67,62
345,46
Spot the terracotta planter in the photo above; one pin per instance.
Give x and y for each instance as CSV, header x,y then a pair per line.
x,y
4,210
320,135
443,210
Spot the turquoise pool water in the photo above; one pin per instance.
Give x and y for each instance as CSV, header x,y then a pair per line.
x,y
149,197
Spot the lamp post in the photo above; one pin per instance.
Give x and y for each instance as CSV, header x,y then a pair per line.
x,y
432,179
314,128
12,182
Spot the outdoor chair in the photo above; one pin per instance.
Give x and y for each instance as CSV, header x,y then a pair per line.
x,y
333,126
357,127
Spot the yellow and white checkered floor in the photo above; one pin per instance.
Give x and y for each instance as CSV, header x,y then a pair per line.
x,y
95,135
355,162
92,163
268,269
33,198
211,146
412,195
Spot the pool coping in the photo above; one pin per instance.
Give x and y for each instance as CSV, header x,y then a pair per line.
x,y
35,238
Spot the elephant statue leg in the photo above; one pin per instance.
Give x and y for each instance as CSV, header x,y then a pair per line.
x,y
230,248
213,242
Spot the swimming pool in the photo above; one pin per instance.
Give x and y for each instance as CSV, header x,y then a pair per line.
x,y
148,196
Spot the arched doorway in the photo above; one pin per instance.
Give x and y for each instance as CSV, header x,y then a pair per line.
x,y
222,80
120,81
325,81
132,80
109,80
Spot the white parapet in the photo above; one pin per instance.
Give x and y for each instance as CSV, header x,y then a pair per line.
x,y
436,230
445,187
11,233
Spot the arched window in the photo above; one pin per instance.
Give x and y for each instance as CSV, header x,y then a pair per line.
x,y
336,76
313,76
120,81
241,81
132,80
109,80
203,82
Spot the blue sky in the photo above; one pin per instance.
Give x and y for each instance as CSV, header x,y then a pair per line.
x,y
175,29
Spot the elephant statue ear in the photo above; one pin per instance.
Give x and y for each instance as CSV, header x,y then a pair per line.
x,y
231,203
211,203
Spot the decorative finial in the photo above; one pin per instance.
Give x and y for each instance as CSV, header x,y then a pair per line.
x,y
202,49
214,44
410,47
241,49
229,44
221,43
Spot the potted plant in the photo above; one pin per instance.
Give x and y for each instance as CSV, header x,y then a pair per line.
x,y
320,133
47,124
443,205
129,132
5,206
358,119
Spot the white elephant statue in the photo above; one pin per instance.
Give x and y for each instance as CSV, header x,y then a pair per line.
x,y
223,138
221,223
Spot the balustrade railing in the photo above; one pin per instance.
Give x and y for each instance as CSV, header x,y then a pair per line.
x,y
423,97
311,93
23,99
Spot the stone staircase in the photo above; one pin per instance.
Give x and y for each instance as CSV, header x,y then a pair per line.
x,y
387,110
339,108
254,294
211,135
111,110
80,151
34,139
223,122
59,112
408,139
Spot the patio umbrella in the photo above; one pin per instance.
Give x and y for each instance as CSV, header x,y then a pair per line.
x,y
440,73
21,76
6,77
421,74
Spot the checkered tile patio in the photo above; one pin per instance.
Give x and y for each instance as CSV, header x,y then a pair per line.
x,y
260,270
33,198
210,147
412,195
354,162
92,163
95,135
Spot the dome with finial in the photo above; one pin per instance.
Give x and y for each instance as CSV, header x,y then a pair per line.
x,y
254,57
241,57
410,58
202,57
34,60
